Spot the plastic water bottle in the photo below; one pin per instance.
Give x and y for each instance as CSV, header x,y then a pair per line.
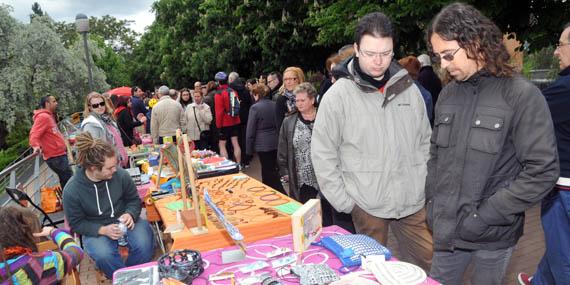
x,y
123,240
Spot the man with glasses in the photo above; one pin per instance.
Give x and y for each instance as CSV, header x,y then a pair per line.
x,y
554,268
493,150
46,138
370,143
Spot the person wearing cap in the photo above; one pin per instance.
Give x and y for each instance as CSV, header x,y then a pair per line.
x,y
428,79
167,117
227,125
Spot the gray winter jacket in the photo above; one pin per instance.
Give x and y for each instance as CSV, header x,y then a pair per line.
x,y
493,155
370,146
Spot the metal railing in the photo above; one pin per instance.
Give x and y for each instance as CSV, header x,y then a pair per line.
x,y
30,174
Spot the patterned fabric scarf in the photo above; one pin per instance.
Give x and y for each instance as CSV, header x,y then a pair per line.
x,y
290,100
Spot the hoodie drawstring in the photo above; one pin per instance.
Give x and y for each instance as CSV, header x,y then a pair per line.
x,y
97,196
110,201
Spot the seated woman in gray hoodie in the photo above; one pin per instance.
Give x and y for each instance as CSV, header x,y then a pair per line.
x,y
97,198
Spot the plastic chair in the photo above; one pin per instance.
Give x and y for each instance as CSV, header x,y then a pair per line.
x,y
22,199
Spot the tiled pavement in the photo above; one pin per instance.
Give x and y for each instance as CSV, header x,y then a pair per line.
x,y
525,258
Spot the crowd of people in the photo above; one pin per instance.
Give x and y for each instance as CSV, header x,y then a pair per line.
x,y
450,170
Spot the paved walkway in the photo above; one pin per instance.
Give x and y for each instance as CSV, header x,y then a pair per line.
x,y
525,257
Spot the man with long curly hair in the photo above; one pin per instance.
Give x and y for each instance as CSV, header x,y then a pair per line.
x,y
493,150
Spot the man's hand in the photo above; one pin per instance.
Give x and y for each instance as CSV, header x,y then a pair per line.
x,y
37,149
127,219
112,231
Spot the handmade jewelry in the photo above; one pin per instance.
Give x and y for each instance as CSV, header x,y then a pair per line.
x,y
239,207
270,197
276,202
263,193
256,189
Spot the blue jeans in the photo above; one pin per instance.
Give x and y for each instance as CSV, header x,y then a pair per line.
x,y
554,268
105,251
60,165
489,266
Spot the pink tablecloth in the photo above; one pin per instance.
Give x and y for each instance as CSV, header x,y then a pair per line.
x,y
256,252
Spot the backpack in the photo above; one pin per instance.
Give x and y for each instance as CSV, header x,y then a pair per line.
x,y
234,103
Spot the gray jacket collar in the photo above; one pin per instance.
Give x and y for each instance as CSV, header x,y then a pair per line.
x,y
399,81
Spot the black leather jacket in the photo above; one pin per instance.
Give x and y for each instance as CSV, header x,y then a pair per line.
x,y
492,156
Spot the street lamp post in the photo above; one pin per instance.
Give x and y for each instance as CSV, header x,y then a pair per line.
x,y
82,26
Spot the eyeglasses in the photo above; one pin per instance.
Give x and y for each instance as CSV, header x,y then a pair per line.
x,y
269,81
97,105
448,56
559,44
290,78
381,55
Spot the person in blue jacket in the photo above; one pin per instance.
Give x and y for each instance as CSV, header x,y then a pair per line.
x,y
554,268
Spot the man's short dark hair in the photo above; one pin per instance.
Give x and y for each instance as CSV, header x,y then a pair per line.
x,y
374,24
43,101
278,75
134,90
477,34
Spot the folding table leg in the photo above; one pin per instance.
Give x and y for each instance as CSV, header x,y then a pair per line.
x,y
159,237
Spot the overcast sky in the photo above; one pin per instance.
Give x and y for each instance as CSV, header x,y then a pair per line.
x,y
66,10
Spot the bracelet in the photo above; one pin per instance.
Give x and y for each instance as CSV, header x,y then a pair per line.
x,y
266,199
52,231
256,189
277,202
235,207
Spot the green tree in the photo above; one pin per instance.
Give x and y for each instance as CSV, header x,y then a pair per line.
x,y
36,64
114,38
36,10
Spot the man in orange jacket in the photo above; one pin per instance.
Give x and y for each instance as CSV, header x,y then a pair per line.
x,y
46,138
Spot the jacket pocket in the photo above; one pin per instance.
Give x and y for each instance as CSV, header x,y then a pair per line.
x,y
487,134
472,227
444,124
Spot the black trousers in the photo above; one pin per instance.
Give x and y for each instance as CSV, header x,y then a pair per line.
x,y
269,173
60,165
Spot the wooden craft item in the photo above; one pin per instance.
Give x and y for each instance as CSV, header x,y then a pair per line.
x,y
188,216
200,229
159,169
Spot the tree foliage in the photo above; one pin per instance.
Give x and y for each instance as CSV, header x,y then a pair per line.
x,y
193,39
35,63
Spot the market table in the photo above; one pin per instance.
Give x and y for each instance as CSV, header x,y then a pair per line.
x,y
247,203
257,251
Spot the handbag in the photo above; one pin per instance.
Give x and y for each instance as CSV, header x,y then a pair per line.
x,y
136,137
51,199
349,248
204,135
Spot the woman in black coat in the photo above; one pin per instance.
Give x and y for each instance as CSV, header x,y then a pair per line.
x,y
125,120
261,136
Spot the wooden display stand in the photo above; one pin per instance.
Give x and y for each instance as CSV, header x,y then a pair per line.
x,y
247,203
191,217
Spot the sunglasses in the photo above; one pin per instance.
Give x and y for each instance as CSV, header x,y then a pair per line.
x,y
97,105
450,56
